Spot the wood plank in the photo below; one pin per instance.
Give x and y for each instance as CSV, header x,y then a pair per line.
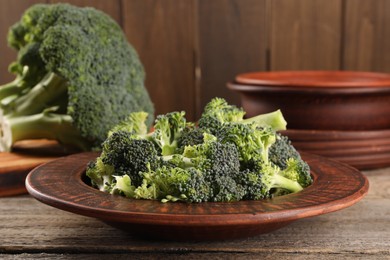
x,y
305,34
232,40
29,227
25,156
197,256
367,35
163,34
10,13
112,7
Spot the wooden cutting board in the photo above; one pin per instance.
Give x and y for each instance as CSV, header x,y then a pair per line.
x,y
25,156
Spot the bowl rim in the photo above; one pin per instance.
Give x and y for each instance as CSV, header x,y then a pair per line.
x,y
316,79
251,89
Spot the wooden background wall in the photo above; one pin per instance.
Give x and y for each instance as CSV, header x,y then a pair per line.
x,y
191,48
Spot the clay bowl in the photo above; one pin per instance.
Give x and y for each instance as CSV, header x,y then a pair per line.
x,y
335,186
322,100
362,149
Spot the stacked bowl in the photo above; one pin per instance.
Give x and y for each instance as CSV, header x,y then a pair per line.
x,y
344,115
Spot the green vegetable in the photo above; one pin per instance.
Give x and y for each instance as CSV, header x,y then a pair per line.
x,y
218,112
225,159
75,70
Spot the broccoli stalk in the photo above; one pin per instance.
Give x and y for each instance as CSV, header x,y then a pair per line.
x,y
37,114
45,94
275,120
15,87
29,70
273,177
167,130
43,125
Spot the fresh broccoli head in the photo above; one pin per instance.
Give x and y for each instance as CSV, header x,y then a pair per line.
x,y
73,62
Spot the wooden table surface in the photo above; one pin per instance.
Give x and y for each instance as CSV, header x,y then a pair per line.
x,y
32,230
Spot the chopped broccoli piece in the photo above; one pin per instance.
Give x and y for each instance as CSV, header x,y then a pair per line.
x,y
284,155
167,130
174,184
190,136
218,112
264,180
79,61
182,162
134,123
123,154
253,142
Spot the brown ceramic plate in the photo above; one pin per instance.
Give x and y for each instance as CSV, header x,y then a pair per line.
x,y
62,184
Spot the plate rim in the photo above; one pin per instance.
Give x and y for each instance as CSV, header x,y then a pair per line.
x,y
247,218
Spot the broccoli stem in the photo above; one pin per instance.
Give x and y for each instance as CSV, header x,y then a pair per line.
x,y
50,88
17,86
43,125
12,88
179,159
279,181
274,119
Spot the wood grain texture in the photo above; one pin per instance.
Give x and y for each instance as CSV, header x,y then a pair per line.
x,y
10,13
305,34
26,155
201,255
232,39
367,35
31,229
163,34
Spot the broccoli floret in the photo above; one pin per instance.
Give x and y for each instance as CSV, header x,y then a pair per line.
x,y
265,180
218,112
285,156
219,162
298,170
123,155
190,136
135,123
167,130
253,142
73,62
281,151
174,184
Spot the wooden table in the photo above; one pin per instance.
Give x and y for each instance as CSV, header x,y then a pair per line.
x,y
30,229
